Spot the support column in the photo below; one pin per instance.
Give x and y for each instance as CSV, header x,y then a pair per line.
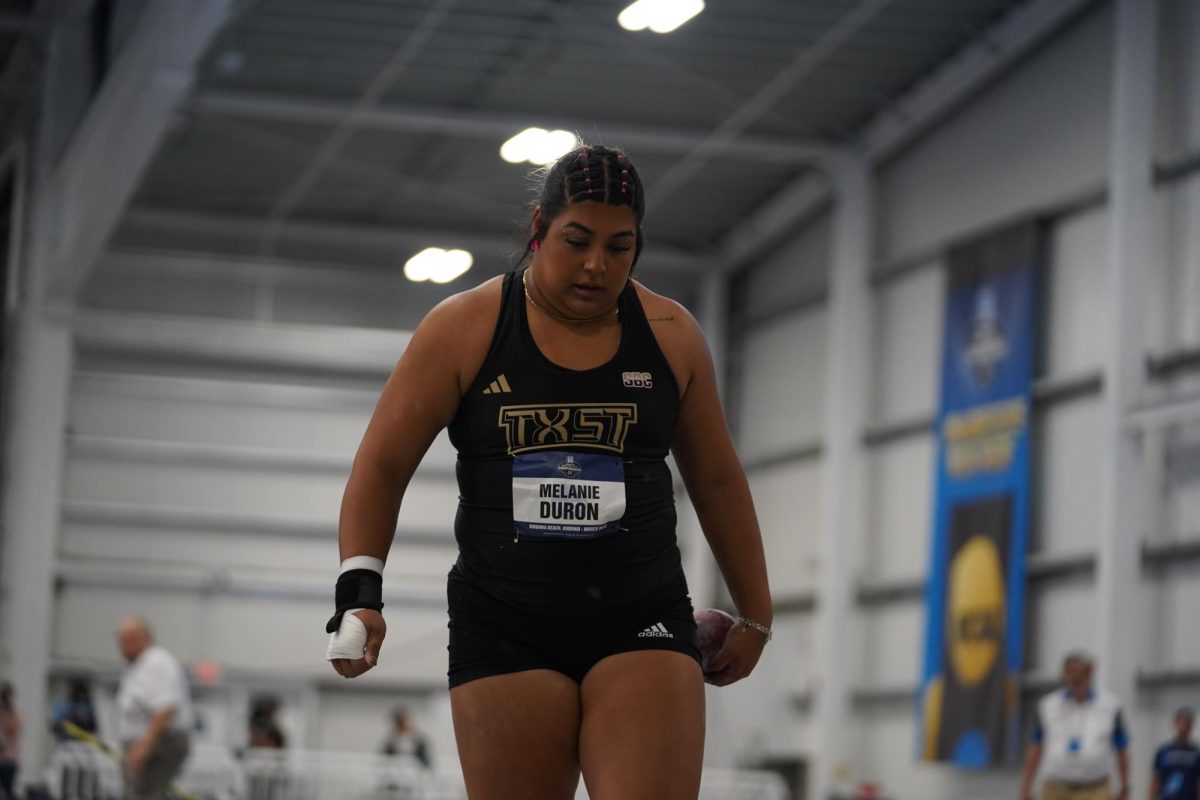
x,y
846,370
1129,241
33,465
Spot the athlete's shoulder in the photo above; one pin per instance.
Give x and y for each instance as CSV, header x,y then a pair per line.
x,y
476,300
466,312
660,308
674,326
455,335
677,333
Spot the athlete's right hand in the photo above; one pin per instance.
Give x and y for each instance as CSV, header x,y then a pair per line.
x,y
354,646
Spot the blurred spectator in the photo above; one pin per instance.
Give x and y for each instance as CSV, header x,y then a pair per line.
x,y
403,740
1177,763
265,730
267,776
1078,733
74,707
10,740
155,709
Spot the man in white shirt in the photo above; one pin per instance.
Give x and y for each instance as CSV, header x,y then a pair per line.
x,y
155,713
1077,732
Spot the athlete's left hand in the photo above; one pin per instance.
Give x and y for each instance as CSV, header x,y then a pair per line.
x,y
736,659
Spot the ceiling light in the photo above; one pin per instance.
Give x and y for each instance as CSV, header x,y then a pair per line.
x,y
437,265
538,146
660,16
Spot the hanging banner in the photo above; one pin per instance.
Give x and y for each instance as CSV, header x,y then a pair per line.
x,y
975,592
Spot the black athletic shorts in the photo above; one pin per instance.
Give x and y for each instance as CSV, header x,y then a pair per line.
x,y
489,637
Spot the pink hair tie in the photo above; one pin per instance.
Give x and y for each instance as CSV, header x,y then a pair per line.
x,y
534,245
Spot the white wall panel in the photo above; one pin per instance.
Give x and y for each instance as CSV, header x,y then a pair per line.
x,y
1180,599
86,621
797,269
907,321
782,390
1076,291
1064,619
428,504
206,488
216,551
888,757
757,715
335,432
288,636
899,512
133,292
1177,485
894,643
1067,458
306,430
1158,619
1040,134
1181,217
788,501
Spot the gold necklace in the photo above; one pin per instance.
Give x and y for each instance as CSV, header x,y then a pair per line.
x,y
559,317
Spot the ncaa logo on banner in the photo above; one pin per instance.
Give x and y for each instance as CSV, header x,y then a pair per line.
x,y
975,622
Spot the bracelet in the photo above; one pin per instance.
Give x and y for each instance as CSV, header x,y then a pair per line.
x,y
746,622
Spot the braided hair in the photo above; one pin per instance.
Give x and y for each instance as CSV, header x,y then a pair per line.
x,y
589,173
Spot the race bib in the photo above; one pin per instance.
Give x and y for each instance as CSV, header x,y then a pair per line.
x,y
567,495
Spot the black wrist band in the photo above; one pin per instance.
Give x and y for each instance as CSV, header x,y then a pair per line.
x,y
356,588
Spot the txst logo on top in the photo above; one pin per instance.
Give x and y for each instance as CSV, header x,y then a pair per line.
x,y
595,426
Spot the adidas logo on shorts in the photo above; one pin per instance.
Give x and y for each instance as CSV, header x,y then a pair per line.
x,y
656,630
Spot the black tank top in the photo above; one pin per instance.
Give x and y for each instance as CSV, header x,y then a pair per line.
x,y
544,454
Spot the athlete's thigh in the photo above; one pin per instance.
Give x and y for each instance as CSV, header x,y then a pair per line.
x,y
518,735
643,727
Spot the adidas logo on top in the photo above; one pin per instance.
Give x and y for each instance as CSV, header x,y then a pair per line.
x,y
498,386
656,630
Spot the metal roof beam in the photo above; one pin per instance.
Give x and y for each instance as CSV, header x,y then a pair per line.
x,y
12,22
329,349
497,126
84,197
759,104
376,246
974,68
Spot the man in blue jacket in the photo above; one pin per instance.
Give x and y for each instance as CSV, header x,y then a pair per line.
x,y
1177,764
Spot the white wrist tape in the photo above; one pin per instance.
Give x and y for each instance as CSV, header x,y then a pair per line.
x,y
349,640
362,562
